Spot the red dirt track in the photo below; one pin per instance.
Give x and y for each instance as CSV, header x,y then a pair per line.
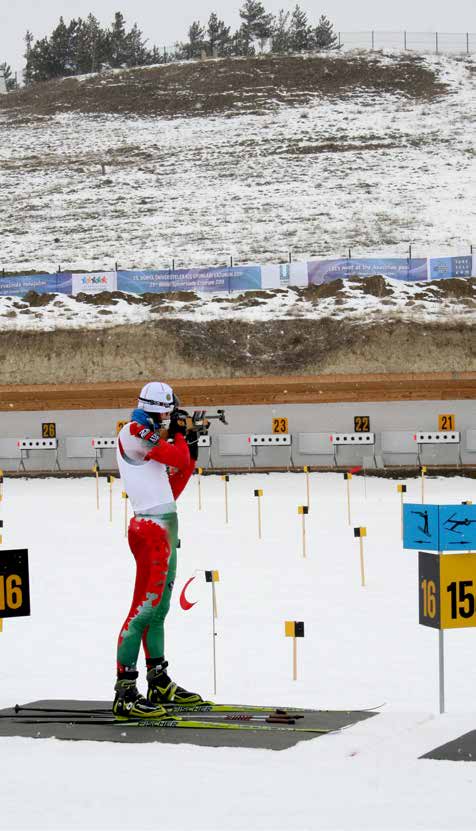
x,y
208,392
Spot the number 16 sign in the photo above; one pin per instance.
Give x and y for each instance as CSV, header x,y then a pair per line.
x,y
14,584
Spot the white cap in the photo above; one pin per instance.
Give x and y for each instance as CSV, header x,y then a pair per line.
x,y
156,397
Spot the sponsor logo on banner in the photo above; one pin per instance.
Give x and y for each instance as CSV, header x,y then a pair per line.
x,y
398,268
94,283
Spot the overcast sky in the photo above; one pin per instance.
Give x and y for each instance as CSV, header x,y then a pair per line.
x,y
164,22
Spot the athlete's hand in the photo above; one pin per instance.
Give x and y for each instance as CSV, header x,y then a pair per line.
x,y
178,423
192,441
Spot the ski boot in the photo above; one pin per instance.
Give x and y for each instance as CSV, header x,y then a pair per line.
x,y
162,690
129,704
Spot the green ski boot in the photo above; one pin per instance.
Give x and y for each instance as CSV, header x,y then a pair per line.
x,y
162,690
129,704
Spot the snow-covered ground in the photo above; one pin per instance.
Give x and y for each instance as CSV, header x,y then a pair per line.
x,y
363,646
410,302
369,171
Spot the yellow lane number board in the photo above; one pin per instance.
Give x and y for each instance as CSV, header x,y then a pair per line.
x,y
447,590
48,430
14,583
446,421
280,425
362,424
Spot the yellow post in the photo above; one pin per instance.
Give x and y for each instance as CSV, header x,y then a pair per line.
x,y
423,471
96,472
306,471
213,577
124,496
1,625
110,480
199,473
294,659
1,485
294,629
348,477
401,490
361,533
259,494
303,510
226,479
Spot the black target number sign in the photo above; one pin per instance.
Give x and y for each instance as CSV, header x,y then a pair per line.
x,y
362,424
48,430
14,583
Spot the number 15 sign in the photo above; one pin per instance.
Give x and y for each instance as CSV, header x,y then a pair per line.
x,y
447,590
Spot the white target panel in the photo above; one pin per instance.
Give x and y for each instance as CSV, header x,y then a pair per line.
x,y
270,439
104,443
204,441
450,437
352,439
37,444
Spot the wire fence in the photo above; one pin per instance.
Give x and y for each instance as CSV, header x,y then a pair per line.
x,y
463,43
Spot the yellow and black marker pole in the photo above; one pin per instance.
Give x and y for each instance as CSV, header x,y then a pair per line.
x,y
259,494
1,531
199,475
1,485
124,496
423,471
95,470
213,577
110,481
306,471
226,479
294,629
361,533
348,477
401,489
303,510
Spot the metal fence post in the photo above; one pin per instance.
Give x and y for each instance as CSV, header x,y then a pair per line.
x,y
467,43
405,40
436,42
373,40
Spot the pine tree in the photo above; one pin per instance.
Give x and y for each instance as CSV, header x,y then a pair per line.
x,y
196,39
91,47
257,23
301,35
136,51
218,36
7,74
117,46
27,72
280,36
60,49
324,36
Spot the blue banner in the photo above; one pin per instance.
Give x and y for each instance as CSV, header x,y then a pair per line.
x,y
239,278
439,527
323,271
444,267
41,283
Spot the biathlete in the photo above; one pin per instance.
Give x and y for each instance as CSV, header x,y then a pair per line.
x,y
154,440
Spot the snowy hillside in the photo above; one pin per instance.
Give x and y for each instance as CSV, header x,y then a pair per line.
x,y
246,158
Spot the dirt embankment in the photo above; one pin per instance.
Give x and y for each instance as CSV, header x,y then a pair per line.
x,y
228,85
182,349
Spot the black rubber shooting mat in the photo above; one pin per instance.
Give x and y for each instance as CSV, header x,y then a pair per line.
x,y
462,749
277,739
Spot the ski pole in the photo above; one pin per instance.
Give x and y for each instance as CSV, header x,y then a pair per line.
x,y
199,473
124,496
110,481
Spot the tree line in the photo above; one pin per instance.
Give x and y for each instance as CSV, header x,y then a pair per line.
x,y
83,45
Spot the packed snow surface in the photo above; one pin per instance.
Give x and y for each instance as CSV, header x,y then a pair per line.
x,y
362,647
370,171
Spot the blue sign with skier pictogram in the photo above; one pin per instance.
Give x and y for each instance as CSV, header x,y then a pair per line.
x,y
420,526
439,527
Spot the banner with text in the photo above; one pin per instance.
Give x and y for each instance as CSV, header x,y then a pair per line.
x,y
239,278
323,271
39,283
443,267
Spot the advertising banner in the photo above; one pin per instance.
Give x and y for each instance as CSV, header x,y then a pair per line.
x,y
398,268
239,278
444,267
94,282
41,283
